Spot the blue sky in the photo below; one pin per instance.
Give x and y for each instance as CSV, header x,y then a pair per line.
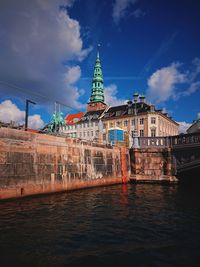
x,y
48,50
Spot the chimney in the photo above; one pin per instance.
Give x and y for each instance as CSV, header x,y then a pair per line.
x,y
129,103
142,99
152,108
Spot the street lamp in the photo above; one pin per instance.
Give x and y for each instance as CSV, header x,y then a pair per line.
x,y
26,115
135,133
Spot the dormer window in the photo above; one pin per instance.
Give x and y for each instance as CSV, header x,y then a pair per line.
x,y
75,120
118,113
130,111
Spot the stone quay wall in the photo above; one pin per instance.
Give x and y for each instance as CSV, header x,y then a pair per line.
x,y
151,165
33,163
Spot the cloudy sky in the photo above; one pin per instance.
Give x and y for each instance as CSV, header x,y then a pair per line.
x,y
48,50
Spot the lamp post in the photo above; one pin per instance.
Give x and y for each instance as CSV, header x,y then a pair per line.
x,y
26,115
135,133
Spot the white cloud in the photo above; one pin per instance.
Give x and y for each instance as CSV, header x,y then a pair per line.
x,y
38,40
120,8
10,112
35,122
183,126
161,84
111,98
192,88
172,82
73,74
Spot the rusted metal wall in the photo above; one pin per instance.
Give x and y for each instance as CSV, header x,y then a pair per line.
x,y
33,163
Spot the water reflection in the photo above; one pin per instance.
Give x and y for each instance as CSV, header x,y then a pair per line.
x,y
130,225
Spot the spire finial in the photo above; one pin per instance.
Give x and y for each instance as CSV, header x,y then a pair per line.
x,y
98,46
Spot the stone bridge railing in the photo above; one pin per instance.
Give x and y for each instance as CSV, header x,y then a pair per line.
x,y
170,141
185,140
159,142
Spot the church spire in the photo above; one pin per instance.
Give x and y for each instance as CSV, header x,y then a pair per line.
x,y
96,102
97,82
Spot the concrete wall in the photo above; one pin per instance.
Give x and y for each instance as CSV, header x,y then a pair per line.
x,y
33,163
151,165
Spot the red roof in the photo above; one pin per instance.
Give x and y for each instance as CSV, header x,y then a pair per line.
x,y
73,118
32,130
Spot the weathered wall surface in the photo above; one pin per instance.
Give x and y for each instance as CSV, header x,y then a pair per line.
x,y
151,165
38,163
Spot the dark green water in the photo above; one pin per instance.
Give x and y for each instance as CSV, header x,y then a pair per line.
x,y
134,225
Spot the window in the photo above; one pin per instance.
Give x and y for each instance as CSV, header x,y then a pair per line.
x,y
125,123
83,125
153,120
104,137
88,124
106,115
104,126
118,113
83,134
88,133
119,123
96,123
141,121
91,133
153,132
80,134
133,122
91,124
130,111
141,132
97,133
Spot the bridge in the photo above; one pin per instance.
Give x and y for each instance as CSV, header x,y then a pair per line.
x,y
185,152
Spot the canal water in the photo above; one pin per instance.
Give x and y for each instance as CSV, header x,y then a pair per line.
x,y
135,225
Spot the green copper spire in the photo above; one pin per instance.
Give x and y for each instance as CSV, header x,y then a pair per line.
x,y
97,82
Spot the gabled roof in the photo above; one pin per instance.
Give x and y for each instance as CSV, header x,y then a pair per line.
x,y
91,115
73,118
122,110
195,127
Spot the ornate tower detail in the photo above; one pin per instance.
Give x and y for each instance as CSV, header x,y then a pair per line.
x,y
97,96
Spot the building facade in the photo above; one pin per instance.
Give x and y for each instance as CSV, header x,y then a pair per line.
x,y
71,124
137,116
148,122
